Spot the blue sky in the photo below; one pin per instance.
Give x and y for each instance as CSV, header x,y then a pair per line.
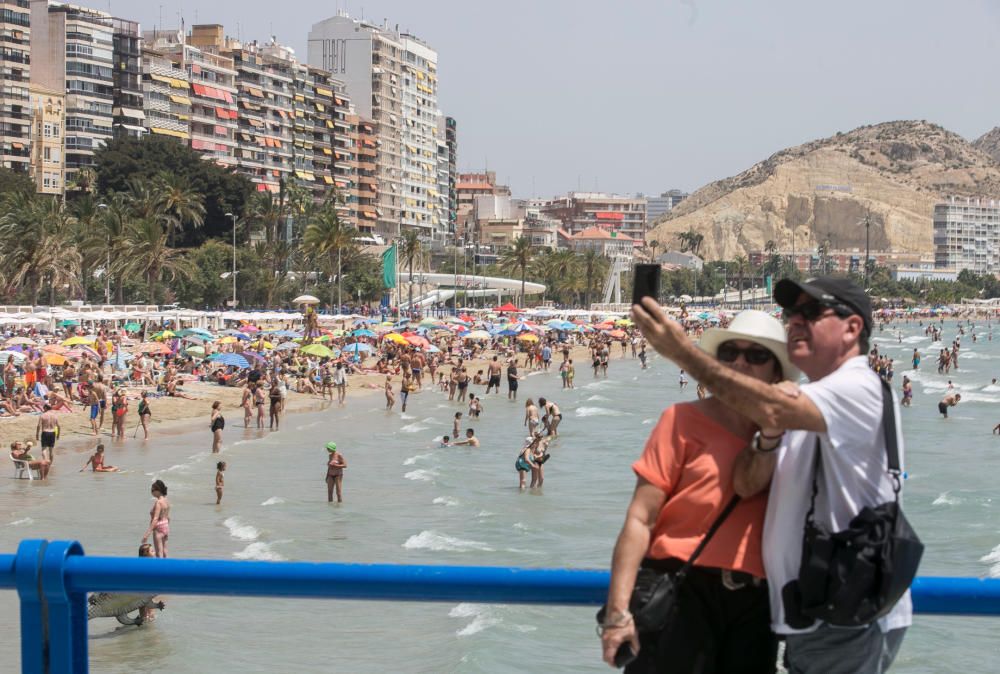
x,y
642,95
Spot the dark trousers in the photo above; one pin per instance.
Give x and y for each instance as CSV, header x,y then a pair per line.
x,y
717,630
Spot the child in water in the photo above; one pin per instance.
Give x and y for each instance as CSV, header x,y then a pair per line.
x,y
220,481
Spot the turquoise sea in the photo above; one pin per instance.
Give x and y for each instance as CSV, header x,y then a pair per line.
x,y
409,501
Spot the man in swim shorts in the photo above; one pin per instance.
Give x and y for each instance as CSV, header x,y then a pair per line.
x,y
494,380
949,400
46,431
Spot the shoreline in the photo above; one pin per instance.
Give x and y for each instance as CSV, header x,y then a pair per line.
x,y
173,416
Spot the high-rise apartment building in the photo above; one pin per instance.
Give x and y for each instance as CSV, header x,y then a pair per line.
x,y
657,207
212,124
48,156
367,175
165,95
451,140
582,210
967,235
72,50
15,113
392,79
129,116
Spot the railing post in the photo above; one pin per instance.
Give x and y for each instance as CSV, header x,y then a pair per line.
x,y
27,572
67,611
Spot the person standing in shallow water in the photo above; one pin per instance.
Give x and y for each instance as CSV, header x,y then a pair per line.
x,y
335,466
217,423
159,519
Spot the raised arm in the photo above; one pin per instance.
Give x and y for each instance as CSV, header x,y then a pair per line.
x,y
765,404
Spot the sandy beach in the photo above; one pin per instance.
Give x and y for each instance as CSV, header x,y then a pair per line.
x,y
172,415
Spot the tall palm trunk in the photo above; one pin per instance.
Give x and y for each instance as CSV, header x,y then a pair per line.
x,y
410,290
523,271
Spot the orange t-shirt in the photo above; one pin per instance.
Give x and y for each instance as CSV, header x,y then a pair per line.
x,y
690,457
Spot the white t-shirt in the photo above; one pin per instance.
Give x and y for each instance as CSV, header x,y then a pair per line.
x,y
852,475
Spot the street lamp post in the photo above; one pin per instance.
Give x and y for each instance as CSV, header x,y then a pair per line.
x,y
107,265
233,216
454,298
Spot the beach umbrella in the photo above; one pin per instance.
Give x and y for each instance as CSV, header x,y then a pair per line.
x,y
318,350
68,323
23,341
528,337
52,359
358,346
433,349
196,351
617,334
363,333
287,346
507,308
478,335
154,348
305,299
164,334
249,328
54,348
417,340
132,327
508,333
624,321
286,333
73,341
18,357
233,359
229,339
396,337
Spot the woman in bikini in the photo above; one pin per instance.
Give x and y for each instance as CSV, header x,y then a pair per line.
x,y
390,397
145,413
9,375
531,416
245,404
119,408
259,400
159,519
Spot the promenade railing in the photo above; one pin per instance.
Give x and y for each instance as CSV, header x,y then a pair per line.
x,y
52,580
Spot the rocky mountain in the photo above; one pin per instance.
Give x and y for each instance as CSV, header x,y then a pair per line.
x,y
892,172
989,143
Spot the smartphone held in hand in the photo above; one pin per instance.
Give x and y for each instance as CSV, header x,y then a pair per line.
x,y
646,282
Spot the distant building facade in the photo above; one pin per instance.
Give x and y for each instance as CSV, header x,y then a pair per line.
x,y
681,260
609,244
579,211
15,106
657,207
967,235
48,156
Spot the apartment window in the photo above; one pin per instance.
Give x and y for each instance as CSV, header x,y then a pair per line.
x,y
48,131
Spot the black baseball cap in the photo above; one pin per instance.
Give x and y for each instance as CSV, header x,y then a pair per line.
x,y
827,289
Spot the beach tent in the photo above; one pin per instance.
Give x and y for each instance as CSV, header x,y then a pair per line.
x,y
507,307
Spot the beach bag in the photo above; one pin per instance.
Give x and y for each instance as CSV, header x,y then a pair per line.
x,y
653,603
853,577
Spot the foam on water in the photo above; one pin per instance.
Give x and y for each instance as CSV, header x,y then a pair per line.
x,y
599,412
993,559
445,501
414,428
418,457
422,475
484,514
483,617
406,417
24,521
260,551
646,422
240,530
438,542
991,388
946,499
598,398
274,500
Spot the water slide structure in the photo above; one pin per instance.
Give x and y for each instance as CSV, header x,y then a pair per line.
x,y
446,285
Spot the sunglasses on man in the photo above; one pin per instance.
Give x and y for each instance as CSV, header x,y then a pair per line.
x,y
728,352
813,311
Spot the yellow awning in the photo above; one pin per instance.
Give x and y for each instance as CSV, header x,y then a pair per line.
x,y
420,75
300,98
323,91
299,113
183,100
302,174
329,124
328,180
160,78
169,132
310,176
319,106
326,150
178,83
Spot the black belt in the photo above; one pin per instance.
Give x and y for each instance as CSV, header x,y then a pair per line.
x,y
731,580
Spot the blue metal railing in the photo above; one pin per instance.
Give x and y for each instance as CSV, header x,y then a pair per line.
x,y
52,580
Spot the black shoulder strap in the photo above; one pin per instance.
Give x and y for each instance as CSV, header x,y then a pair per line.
x,y
708,536
891,448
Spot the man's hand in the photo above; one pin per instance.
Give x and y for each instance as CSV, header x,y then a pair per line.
x,y
665,335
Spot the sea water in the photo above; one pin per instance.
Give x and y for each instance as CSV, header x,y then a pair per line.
x,y
409,501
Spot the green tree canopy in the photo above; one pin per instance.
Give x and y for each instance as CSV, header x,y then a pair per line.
x,y
154,159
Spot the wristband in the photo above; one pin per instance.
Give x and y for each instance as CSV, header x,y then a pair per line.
x,y
773,437
755,444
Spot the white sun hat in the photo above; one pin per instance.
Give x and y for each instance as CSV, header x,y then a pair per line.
x,y
759,328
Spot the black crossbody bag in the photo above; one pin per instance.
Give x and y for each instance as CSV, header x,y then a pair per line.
x,y
853,577
653,603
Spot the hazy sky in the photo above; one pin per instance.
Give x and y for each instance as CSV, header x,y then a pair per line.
x,y
643,95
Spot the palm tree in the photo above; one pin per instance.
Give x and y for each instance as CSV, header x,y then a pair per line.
x,y
150,258
36,240
593,265
326,235
653,245
741,263
102,234
180,203
518,257
410,249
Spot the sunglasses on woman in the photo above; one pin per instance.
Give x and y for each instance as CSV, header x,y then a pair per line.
x,y
813,311
728,352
